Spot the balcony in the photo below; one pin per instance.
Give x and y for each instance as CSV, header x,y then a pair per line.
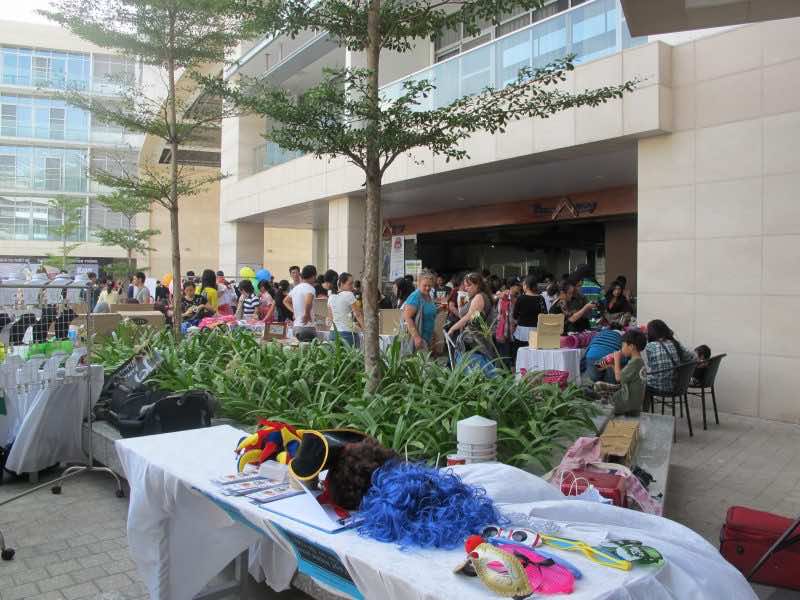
x,y
44,133
270,155
592,30
45,82
589,31
61,184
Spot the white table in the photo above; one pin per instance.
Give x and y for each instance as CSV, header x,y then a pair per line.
x,y
45,423
181,533
563,359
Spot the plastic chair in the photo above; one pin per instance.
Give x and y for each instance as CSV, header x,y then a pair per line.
x,y
707,383
680,388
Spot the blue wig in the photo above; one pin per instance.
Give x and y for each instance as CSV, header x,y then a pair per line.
x,y
415,505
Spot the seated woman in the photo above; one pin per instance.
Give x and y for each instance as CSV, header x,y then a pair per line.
x,y
247,306
266,303
664,354
419,313
616,307
207,295
574,307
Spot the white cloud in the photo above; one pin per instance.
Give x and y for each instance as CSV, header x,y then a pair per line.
x,y
24,11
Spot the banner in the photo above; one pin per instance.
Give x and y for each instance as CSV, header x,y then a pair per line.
x,y
397,257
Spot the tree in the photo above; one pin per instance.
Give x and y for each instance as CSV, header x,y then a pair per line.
x,y
346,116
128,238
179,37
69,214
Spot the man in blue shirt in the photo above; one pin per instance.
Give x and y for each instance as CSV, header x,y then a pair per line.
x,y
604,343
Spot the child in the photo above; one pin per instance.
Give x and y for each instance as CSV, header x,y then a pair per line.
x,y
248,301
703,353
628,395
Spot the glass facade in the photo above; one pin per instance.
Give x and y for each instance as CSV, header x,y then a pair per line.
x,y
42,118
591,30
34,172
27,168
45,68
271,154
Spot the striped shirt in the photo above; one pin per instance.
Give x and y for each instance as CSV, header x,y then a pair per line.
x,y
603,344
250,306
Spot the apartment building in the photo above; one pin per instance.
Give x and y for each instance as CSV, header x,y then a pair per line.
x,y
48,148
687,186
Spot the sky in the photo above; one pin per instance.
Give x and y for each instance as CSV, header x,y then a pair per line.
x,y
23,10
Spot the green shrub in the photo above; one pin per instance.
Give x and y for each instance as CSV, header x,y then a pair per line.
x,y
415,409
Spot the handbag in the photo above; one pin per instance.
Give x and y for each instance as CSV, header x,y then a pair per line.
x,y
407,346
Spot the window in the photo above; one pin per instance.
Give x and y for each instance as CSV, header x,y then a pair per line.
x,y
8,171
8,120
41,70
109,69
52,174
57,119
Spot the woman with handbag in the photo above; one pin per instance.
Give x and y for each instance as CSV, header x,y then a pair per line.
x,y
475,325
419,314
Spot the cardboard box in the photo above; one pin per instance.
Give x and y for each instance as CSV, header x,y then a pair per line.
x,y
152,318
275,331
131,308
548,332
619,441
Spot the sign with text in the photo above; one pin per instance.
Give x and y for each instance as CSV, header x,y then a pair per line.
x,y
397,257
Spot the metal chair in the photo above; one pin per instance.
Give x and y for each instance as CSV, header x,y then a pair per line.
x,y
707,383
680,387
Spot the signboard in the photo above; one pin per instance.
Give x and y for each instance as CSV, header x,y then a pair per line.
x,y
413,268
397,257
321,564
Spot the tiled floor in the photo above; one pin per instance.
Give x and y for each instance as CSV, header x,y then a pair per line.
x,y
73,546
743,461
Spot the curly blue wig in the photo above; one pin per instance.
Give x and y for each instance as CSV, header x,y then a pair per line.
x,y
415,505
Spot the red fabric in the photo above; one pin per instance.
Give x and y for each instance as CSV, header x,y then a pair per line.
x,y
747,535
610,486
559,377
325,498
503,331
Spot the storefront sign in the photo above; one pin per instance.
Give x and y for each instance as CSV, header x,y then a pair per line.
x,y
413,268
397,257
565,209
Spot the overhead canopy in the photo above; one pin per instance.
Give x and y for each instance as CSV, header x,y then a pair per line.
x,y
648,17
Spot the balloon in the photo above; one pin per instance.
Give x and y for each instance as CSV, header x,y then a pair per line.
x,y
166,279
263,275
246,273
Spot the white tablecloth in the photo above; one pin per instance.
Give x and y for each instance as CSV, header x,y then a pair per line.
x,y
563,359
181,533
45,425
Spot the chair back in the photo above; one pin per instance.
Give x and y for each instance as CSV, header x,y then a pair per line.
x,y
683,375
711,371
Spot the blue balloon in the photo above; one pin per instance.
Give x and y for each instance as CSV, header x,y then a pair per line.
x,y
263,275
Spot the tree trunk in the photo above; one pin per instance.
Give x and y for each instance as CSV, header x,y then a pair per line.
x,y
173,192
372,246
130,261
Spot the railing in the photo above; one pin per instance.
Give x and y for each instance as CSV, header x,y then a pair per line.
x,y
40,184
270,154
589,31
56,83
44,133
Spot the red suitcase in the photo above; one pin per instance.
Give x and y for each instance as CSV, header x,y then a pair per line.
x,y
609,485
747,535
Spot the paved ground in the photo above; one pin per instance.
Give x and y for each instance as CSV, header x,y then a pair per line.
x,y
73,546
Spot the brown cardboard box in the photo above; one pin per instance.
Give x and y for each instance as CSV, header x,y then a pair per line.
x,y
131,308
274,331
619,441
548,332
152,318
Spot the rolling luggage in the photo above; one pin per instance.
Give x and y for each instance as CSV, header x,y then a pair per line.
x,y
749,534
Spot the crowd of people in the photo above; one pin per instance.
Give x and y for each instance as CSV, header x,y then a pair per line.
x,y
486,319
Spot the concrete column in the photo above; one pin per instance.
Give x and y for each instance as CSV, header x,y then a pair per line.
x,y
346,233
319,249
239,138
240,245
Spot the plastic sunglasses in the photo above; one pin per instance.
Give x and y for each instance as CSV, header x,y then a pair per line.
x,y
593,554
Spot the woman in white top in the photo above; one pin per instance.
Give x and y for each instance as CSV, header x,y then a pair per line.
x,y
342,307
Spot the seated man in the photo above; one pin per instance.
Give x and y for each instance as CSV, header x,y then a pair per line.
x,y
604,343
628,395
